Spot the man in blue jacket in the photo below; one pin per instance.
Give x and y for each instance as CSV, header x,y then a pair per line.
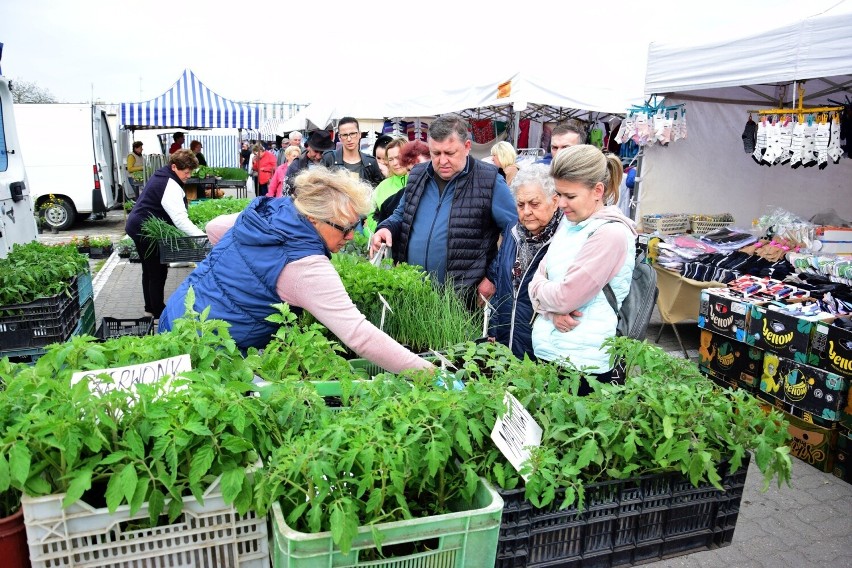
x,y
452,213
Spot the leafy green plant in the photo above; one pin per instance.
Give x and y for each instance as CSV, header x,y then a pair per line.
x,y
100,242
202,212
35,270
153,442
223,173
378,462
298,352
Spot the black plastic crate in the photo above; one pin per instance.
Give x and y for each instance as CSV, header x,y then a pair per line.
x,y
114,327
184,249
40,322
624,522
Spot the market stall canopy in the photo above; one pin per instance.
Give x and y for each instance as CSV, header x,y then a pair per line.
x,y
720,82
553,98
757,68
189,104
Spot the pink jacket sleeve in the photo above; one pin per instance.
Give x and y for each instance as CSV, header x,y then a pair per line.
x,y
217,227
600,259
313,284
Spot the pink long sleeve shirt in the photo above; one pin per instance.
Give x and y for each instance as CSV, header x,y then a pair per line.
x,y
313,284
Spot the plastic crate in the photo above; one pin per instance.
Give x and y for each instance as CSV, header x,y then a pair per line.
x,y
81,536
666,223
40,322
87,319
624,522
703,224
465,539
184,249
84,287
114,327
365,367
331,393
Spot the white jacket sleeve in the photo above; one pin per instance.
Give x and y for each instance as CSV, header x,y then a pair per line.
x,y
172,203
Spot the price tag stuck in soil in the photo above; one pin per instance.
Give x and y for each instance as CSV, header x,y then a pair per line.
x,y
516,431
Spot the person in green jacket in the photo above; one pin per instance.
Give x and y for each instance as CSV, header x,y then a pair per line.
x,y
396,180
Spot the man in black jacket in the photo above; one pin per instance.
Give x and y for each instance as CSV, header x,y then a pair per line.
x,y
350,157
318,142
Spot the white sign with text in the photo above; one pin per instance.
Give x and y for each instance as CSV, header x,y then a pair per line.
x,y
125,377
516,431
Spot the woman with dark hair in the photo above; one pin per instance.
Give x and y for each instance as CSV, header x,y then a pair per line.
x,y
163,198
409,155
379,153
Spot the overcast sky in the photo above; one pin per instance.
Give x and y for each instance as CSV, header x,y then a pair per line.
x,y
300,51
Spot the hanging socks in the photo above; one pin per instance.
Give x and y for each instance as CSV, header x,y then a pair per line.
x,y
786,136
797,145
749,136
821,144
760,147
834,150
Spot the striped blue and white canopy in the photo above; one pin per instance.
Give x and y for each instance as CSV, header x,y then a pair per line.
x,y
190,104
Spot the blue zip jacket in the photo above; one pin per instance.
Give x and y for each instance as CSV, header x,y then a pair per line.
x,y
238,278
510,323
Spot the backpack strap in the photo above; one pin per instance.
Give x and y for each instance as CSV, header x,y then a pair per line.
x,y
607,290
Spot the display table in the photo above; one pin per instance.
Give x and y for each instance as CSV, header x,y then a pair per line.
x,y
678,299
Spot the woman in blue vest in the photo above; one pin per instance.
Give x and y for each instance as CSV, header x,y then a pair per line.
x,y
524,245
593,246
279,250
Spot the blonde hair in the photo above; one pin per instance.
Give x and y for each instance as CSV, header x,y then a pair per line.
x,y
505,153
292,150
328,195
587,165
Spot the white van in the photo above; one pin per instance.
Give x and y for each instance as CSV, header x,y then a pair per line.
x,y
17,222
70,159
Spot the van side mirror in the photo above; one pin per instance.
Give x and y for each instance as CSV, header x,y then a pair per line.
x,y
17,190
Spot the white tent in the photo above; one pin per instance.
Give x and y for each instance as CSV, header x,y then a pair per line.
x,y
556,97
720,82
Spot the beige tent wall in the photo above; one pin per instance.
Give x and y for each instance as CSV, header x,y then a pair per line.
x,y
709,172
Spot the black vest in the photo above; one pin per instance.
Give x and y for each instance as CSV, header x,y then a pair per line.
x,y
472,233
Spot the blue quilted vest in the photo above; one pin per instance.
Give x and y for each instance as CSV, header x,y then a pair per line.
x,y
238,278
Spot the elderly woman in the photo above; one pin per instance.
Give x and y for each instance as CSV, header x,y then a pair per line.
x,y
524,245
593,248
504,157
163,198
286,245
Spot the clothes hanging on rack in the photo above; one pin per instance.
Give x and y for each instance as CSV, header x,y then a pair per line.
x,y
534,138
482,130
524,133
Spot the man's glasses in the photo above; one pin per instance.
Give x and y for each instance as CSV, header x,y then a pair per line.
x,y
349,135
345,230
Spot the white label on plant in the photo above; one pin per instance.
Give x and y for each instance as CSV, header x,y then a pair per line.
x,y
516,431
125,377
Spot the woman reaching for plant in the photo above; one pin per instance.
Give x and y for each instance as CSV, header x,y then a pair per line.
x,y
164,199
592,248
286,244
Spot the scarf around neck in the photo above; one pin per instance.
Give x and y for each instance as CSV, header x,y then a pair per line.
x,y
529,245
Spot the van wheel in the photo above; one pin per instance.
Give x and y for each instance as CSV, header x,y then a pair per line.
x,y
60,215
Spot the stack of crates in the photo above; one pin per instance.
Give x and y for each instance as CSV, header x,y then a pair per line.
x,y
758,336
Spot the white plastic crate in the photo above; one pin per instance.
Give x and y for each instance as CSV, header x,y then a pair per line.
x,y
212,535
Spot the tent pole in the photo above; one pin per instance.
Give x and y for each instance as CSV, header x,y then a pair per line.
x,y
516,126
637,184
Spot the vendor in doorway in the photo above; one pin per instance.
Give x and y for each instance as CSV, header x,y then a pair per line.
x,y
136,168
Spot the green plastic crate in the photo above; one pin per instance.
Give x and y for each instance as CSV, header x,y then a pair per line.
x,y
466,539
368,367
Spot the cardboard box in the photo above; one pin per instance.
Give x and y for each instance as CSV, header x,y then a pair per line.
x,y
785,334
812,444
833,240
731,359
769,387
831,347
843,456
723,314
812,390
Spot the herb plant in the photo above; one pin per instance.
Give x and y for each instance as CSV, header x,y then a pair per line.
x,y
34,270
158,230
